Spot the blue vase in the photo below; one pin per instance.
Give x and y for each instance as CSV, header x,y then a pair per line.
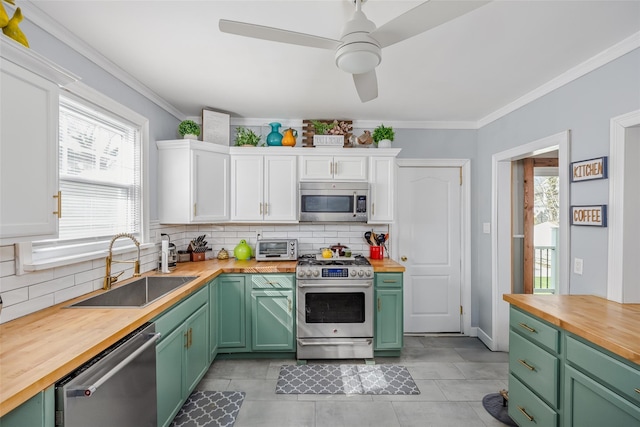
x,y
274,137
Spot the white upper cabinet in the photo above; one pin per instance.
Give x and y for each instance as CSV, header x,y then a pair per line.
x,y
264,188
382,174
29,85
329,168
193,182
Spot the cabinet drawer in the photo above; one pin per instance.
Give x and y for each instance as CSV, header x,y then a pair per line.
x,y
536,367
535,330
388,280
261,281
526,409
604,368
169,320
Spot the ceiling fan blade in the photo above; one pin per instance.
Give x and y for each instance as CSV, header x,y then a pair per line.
x,y
276,34
366,85
421,18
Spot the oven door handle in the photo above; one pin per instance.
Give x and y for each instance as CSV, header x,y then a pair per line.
x,y
332,342
336,284
355,204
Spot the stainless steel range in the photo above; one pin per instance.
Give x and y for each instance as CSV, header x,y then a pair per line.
x,y
335,308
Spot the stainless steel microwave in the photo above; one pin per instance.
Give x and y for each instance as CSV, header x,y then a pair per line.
x,y
277,250
334,201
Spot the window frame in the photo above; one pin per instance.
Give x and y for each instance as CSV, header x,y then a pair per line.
x,y
53,252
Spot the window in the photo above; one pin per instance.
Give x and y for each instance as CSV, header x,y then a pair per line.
x,y
99,170
101,160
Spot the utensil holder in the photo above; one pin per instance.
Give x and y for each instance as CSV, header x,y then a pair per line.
x,y
197,256
376,252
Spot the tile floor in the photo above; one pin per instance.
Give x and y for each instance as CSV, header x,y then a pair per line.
x,y
453,374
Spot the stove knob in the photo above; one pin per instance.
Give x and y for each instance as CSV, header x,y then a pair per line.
x,y
315,273
367,273
308,272
300,273
360,273
353,273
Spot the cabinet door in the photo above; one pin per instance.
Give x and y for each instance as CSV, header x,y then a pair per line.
x,y
232,313
350,168
28,155
169,354
272,320
197,349
39,411
316,168
382,174
247,188
388,320
590,404
213,320
280,188
210,183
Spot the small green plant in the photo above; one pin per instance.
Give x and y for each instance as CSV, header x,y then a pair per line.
x,y
188,127
246,136
383,132
320,127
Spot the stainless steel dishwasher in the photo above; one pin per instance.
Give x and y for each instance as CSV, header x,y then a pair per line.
x,y
116,388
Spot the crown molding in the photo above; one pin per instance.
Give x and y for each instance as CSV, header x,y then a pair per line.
x,y
614,52
34,14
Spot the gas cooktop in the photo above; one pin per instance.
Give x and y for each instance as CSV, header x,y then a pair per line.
x,y
312,260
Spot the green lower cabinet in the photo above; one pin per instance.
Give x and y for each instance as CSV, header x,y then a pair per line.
x,y
388,319
39,411
590,404
182,354
232,313
272,326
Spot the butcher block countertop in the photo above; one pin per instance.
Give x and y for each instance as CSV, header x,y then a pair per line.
x,y
41,348
608,324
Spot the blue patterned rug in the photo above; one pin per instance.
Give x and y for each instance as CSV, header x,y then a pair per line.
x,y
209,409
345,379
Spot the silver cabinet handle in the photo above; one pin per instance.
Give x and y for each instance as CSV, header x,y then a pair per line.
x,y
89,390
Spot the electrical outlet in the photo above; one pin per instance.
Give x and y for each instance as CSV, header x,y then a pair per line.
x,y
259,234
577,265
486,227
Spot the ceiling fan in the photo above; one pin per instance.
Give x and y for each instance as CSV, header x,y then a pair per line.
x,y
358,51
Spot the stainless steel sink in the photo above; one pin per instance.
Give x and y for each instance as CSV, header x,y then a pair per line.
x,y
138,293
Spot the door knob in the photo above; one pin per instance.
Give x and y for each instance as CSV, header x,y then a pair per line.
x,y
403,258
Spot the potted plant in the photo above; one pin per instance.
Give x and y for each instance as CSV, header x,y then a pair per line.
x,y
245,137
383,135
188,129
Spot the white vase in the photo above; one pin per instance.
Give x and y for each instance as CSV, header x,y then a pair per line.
x,y
384,143
190,136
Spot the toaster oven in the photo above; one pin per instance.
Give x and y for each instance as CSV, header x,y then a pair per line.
x,y
277,250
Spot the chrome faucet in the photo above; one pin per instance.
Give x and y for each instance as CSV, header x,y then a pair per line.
x,y
108,278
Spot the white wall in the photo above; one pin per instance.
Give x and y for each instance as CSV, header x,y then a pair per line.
x,y
585,107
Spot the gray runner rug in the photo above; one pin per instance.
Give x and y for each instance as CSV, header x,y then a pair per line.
x,y
345,379
209,409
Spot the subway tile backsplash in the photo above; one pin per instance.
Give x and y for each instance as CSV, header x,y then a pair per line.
x,y
31,292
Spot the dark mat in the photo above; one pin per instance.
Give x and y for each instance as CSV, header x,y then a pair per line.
x,y
209,409
493,404
345,379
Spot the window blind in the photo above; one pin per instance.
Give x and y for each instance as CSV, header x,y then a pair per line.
x,y
100,173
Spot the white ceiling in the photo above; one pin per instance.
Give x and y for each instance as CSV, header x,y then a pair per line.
x,y
461,71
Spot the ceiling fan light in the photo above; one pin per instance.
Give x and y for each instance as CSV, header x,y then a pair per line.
x,y
358,58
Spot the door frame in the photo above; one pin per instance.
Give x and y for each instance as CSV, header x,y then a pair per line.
x,y
501,239
465,229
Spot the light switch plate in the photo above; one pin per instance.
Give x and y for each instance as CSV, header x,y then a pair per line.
x,y
577,265
486,227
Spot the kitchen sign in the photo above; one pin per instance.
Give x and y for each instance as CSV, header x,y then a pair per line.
x,y
586,170
594,216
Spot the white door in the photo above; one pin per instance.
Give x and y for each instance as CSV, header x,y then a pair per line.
x,y
247,188
280,188
429,229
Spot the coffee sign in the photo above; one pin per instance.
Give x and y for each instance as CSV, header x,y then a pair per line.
x,y
586,170
595,215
